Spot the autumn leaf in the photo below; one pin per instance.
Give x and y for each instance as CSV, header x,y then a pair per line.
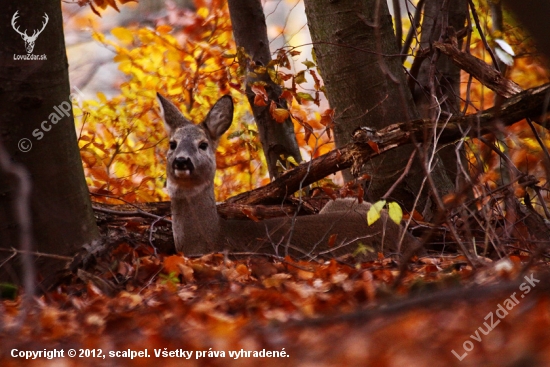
x,y
123,34
279,114
301,96
374,146
332,240
395,213
374,211
250,214
172,264
300,77
261,97
287,95
327,117
308,64
164,29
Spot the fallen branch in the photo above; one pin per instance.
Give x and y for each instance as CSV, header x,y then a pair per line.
x,y
528,103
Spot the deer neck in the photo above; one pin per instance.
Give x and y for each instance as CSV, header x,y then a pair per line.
x,y
195,219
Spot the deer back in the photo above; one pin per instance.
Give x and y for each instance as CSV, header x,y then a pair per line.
x,y
341,228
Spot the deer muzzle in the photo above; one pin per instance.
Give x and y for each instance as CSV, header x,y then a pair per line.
x,y
183,166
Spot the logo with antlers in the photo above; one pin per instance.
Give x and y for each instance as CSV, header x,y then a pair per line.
x,y
29,40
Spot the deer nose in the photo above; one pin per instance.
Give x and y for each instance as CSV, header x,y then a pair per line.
x,y
183,164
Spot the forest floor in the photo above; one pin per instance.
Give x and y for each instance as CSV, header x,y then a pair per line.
x,y
134,307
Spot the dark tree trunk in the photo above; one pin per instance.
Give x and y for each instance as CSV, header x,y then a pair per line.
x,y
35,105
437,73
250,32
534,17
365,83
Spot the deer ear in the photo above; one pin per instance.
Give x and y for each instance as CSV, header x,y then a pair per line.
x,y
219,118
170,114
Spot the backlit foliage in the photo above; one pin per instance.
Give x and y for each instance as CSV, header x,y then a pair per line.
x,y
122,139
123,142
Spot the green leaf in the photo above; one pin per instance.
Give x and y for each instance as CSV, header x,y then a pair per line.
x,y
362,249
304,96
169,278
374,212
300,77
395,212
308,64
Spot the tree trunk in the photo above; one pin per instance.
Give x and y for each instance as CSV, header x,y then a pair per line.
x,y
438,73
37,130
533,16
358,58
250,33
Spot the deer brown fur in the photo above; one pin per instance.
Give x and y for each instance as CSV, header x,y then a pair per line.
x,y
198,229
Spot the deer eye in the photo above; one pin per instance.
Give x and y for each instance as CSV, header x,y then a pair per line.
x,y
203,145
173,145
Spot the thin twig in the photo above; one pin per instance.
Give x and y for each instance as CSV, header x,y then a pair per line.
x,y
36,253
541,144
415,23
405,173
504,157
482,35
137,212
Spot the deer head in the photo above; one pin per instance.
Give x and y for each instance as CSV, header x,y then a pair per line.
x,y
191,160
29,40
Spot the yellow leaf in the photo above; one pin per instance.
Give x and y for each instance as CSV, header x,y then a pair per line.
x,y
374,212
291,160
124,35
202,12
395,212
101,97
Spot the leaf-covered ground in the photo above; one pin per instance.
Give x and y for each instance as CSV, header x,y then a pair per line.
x,y
223,311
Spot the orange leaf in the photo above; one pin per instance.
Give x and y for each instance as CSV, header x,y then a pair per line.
x,y
250,214
288,96
307,131
279,114
164,29
259,101
260,92
416,216
332,239
360,194
329,192
374,146
172,263
327,116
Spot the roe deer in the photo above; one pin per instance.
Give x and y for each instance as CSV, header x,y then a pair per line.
x,y
198,229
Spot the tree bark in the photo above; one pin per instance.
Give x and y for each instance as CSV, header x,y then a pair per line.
x,y
486,74
438,76
35,105
250,32
365,83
